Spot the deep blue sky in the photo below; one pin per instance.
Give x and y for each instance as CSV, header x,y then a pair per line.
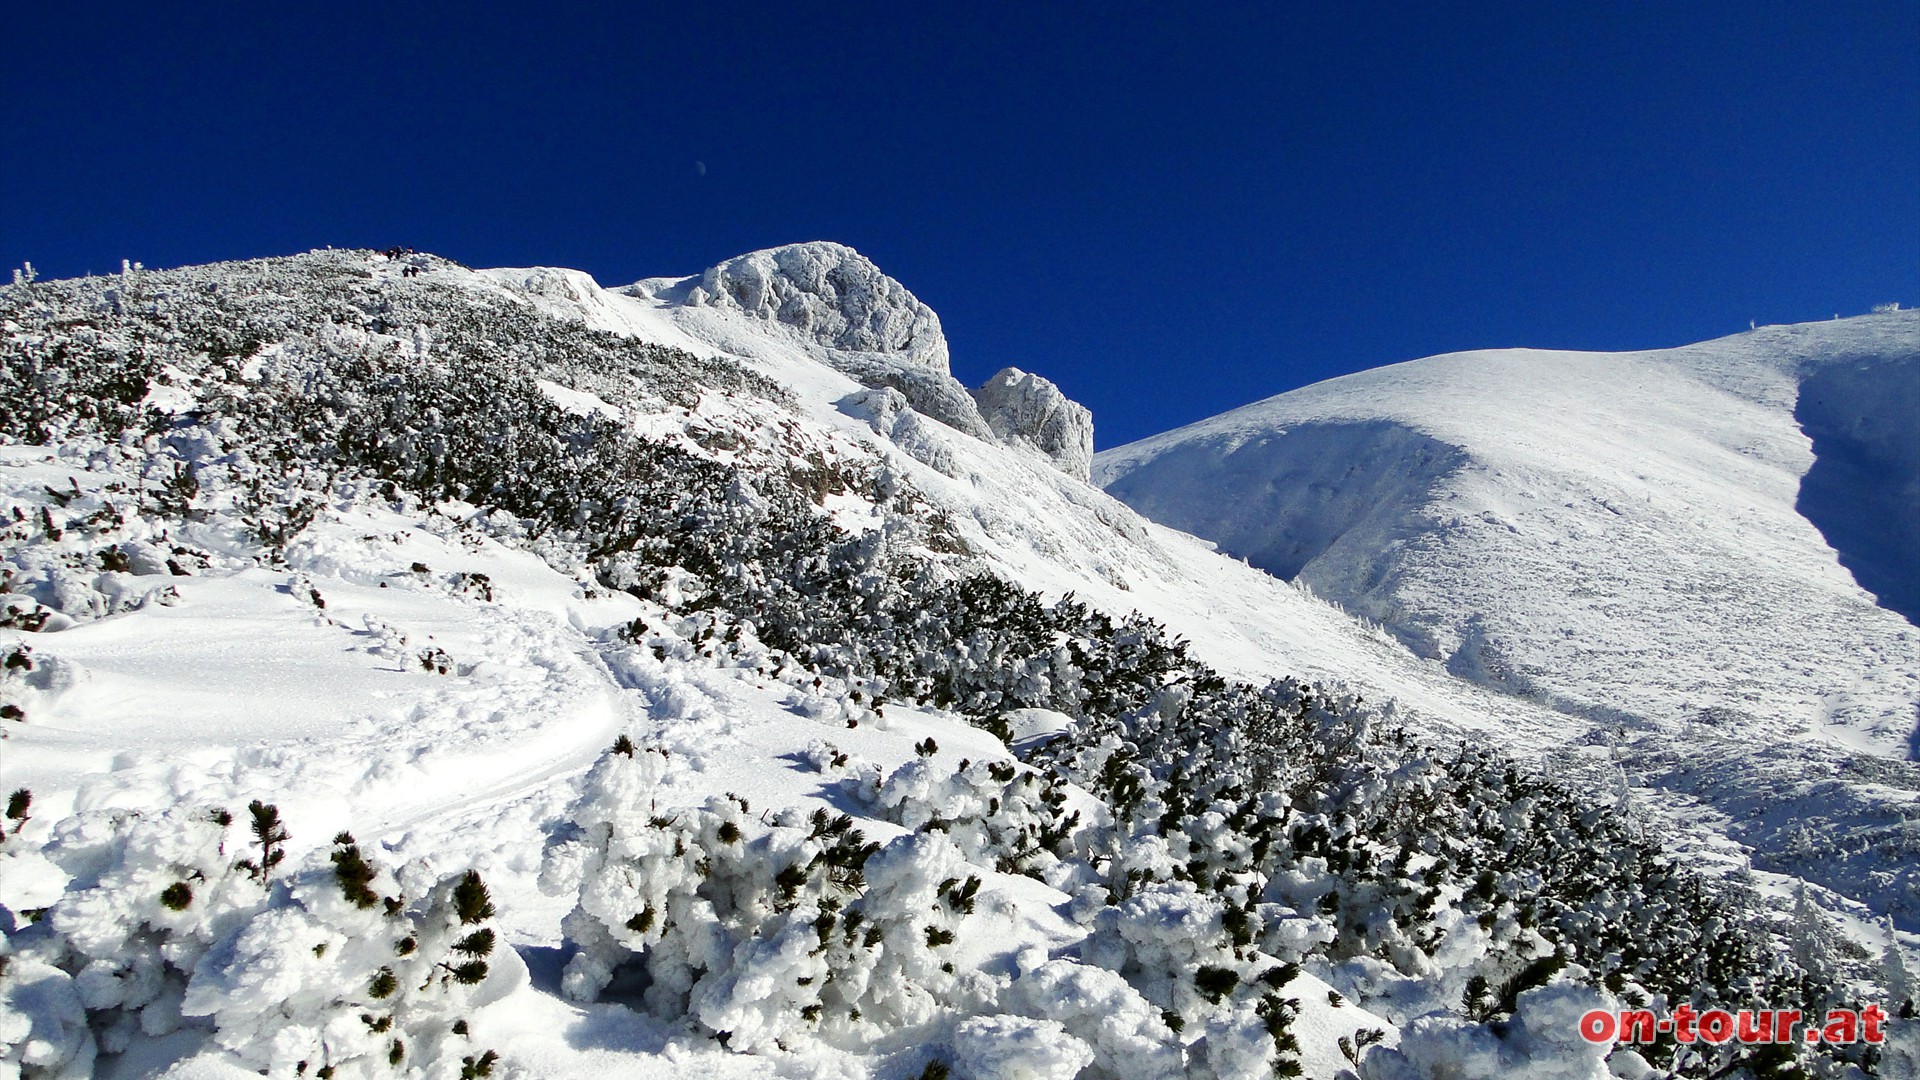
x,y
1169,212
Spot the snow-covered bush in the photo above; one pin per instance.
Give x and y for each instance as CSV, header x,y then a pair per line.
x,y
1542,1040
1016,1048
1128,1035
43,1025
766,933
183,918
74,554
997,813
147,895
348,978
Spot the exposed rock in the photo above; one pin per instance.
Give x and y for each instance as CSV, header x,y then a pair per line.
x,y
1027,410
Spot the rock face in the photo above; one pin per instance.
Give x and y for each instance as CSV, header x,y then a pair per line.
x,y
831,295
1027,410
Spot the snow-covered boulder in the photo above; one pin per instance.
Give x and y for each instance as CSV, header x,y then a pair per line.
x,y
831,294
1027,410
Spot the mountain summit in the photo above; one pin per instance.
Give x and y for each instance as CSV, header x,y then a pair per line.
x,y
827,294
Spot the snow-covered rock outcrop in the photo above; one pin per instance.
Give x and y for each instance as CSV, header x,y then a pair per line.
x,y
830,294
833,305
1027,410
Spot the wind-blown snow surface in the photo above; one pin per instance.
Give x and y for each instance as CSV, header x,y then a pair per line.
x,y
1708,554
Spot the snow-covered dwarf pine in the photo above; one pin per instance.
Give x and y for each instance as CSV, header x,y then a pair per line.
x,y
772,936
1188,873
184,919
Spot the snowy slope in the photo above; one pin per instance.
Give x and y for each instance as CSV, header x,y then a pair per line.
x,y
1709,552
445,684
1058,536
403,675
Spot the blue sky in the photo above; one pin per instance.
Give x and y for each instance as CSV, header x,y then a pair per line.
x,y
1168,209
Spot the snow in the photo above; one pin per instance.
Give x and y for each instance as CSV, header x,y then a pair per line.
x,y
826,294
317,684
1543,1042
1015,1048
1672,550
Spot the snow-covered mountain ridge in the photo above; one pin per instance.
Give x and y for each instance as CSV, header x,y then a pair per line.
x,y
709,644
1680,549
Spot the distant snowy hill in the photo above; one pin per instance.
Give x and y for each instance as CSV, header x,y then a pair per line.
x,y
1710,554
432,672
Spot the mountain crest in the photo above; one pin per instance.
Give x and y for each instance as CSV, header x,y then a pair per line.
x,y
847,313
831,295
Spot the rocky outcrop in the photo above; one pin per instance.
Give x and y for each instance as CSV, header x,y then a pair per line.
x,y
1029,411
828,294
931,393
839,308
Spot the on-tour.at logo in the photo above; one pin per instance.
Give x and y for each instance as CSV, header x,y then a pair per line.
x,y
1687,1024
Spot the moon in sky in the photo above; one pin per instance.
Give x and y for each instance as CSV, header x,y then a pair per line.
x,y
700,168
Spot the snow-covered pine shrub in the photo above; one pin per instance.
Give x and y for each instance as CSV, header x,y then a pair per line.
x,y
1457,879
346,977
19,809
183,918
71,554
16,668
1128,1034
997,813
1900,1055
1542,1040
1334,836
43,1025
82,353
68,370
1172,943
764,933
1017,1048
147,894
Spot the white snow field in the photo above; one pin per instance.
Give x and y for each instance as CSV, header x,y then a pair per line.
x,y
1706,557
1591,563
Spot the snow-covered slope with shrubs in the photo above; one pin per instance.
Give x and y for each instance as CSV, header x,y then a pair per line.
x,y
1707,553
427,672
